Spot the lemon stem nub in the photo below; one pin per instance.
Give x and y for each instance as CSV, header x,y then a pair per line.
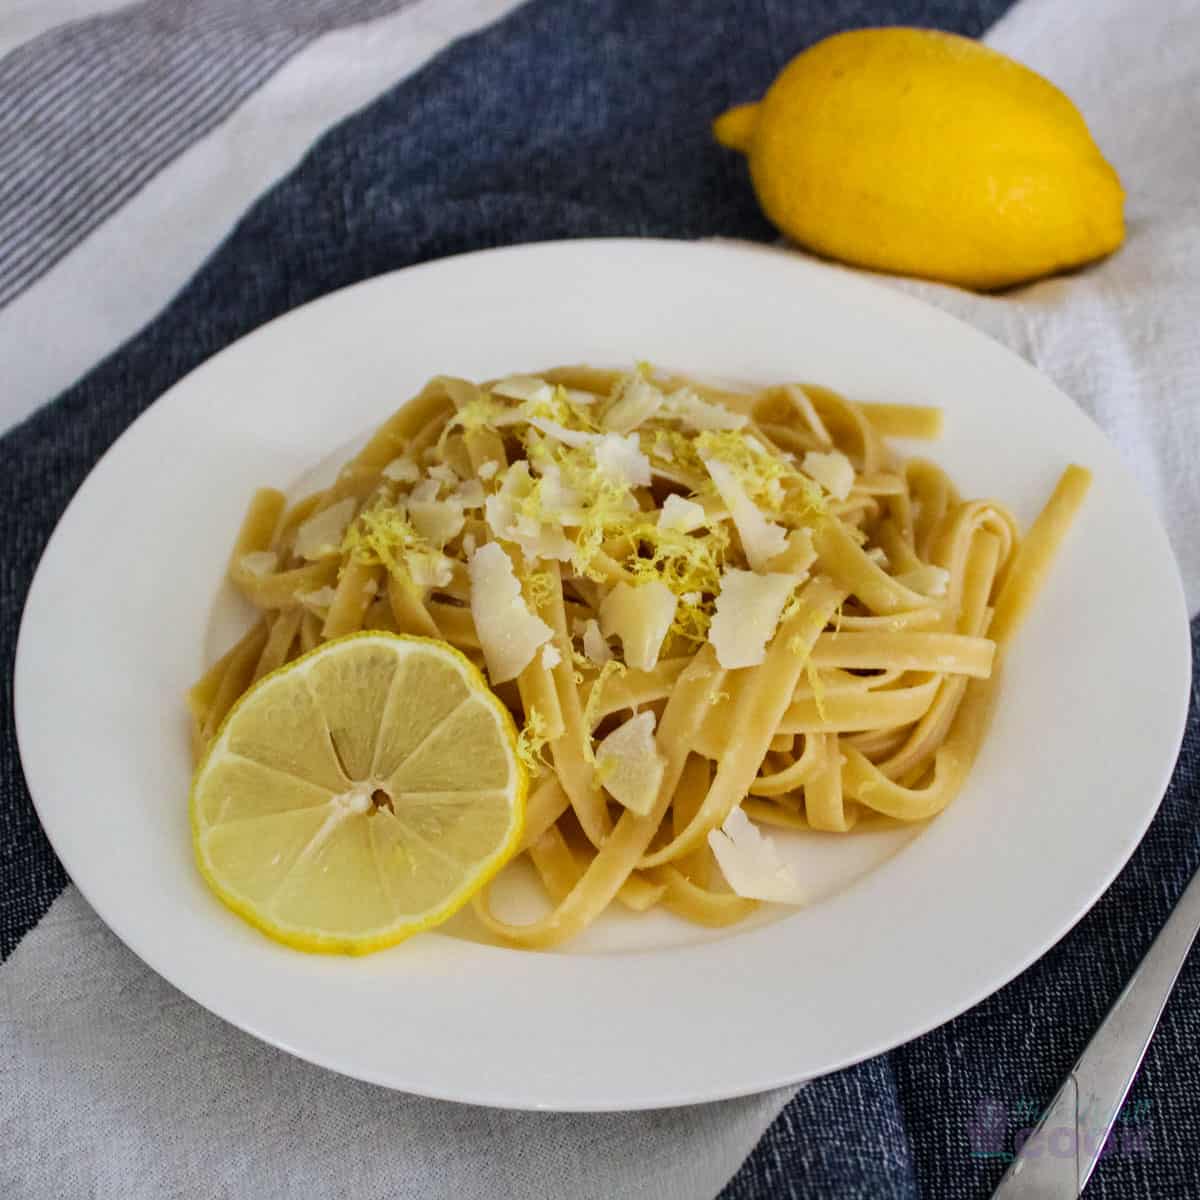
x,y
735,127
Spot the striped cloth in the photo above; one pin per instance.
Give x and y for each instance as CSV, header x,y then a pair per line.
x,y
160,144
101,105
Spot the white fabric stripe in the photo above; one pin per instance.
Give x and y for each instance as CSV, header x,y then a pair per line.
x,y
171,225
119,1086
41,233
173,69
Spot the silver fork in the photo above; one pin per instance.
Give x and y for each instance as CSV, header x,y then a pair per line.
x,y
1051,1167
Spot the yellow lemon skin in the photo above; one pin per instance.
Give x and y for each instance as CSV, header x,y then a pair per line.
x,y
923,153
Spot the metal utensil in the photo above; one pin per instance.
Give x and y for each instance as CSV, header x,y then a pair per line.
x,y
1060,1154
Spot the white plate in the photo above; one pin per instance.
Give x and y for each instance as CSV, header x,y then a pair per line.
x,y
643,1012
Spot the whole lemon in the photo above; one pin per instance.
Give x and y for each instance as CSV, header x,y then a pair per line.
x,y
923,153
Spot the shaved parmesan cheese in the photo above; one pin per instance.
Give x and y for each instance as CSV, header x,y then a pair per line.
x,y
523,387
833,471
640,616
761,539
558,501
427,489
259,562
750,862
680,514
515,514
541,541
621,459
500,507
629,766
748,609
443,473
926,579
594,645
321,599
321,536
509,634
637,401
437,521
560,433
429,569
468,544
550,656
879,557
402,470
578,396
470,494
487,469
695,413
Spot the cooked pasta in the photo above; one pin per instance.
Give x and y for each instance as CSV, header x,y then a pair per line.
x,y
710,613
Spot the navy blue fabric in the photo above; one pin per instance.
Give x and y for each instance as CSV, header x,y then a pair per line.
x,y
584,118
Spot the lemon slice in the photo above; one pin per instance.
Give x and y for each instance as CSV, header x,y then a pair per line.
x,y
359,794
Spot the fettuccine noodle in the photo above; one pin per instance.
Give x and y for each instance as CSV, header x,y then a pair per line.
x,y
736,611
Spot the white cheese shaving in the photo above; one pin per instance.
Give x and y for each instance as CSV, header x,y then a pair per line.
x,y
636,401
509,634
468,544
402,470
322,598
879,557
558,501
541,541
640,615
622,460
560,433
747,613
427,489
680,514
437,521
761,538
321,536
259,562
500,507
750,862
507,522
578,396
926,579
693,412
594,645
487,469
524,388
444,473
550,656
470,494
429,570
629,766
833,471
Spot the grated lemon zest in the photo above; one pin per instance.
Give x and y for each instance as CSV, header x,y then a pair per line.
x,y
531,742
